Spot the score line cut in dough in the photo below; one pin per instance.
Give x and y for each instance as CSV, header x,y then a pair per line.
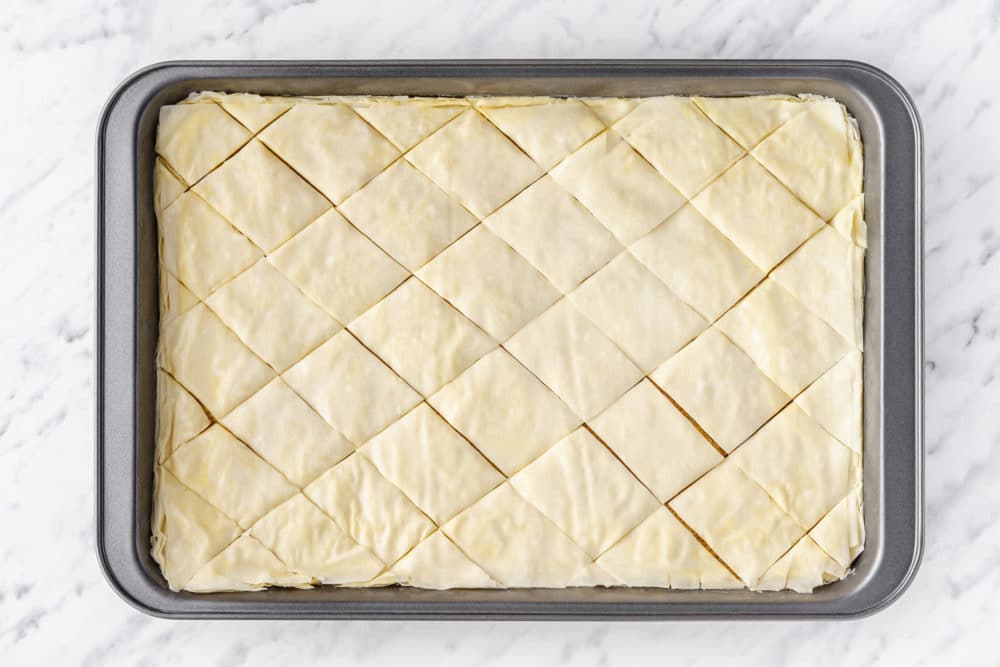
x,y
508,342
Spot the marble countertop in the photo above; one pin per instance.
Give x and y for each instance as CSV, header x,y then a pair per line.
x,y
63,59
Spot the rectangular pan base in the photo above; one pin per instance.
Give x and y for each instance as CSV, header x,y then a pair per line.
x,y
127,311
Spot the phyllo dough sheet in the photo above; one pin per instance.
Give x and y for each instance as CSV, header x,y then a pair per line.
x,y
508,342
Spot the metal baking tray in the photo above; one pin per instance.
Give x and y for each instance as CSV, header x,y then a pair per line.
x,y
127,312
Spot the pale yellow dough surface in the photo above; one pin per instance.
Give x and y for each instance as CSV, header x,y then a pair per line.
x,y
503,342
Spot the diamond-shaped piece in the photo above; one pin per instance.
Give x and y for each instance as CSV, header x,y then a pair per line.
x,y
432,464
555,233
437,563
802,569
309,542
187,531
637,311
680,141
834,401
586,491
220,469
627,195
167,187
245,565
505,411
287,433
473,161
850,223
753,209
610,109
200,247
721,388
405,121
548,130
514,542
261,196
271,315
660,551
175,298
179,417
658,444
817,155
698,262
594,575
330,146
209,360
325,260
373,511
350,387
571,355
421,336
489,282
841,533
195,138
804,469
750,119
738,520
790,344
826,275
254,111
407,214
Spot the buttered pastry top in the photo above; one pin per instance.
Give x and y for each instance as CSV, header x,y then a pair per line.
x,y
508,342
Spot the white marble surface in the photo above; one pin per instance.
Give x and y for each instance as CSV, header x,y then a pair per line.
x,y
61,59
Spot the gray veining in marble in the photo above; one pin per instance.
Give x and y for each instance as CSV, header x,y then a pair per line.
x,y
61,59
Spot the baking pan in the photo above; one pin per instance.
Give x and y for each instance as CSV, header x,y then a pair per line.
x,y
127,312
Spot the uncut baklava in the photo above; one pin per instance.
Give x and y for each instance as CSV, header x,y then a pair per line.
x,y
508,342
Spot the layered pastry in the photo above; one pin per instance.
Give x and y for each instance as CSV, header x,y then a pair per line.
x,y
508,342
